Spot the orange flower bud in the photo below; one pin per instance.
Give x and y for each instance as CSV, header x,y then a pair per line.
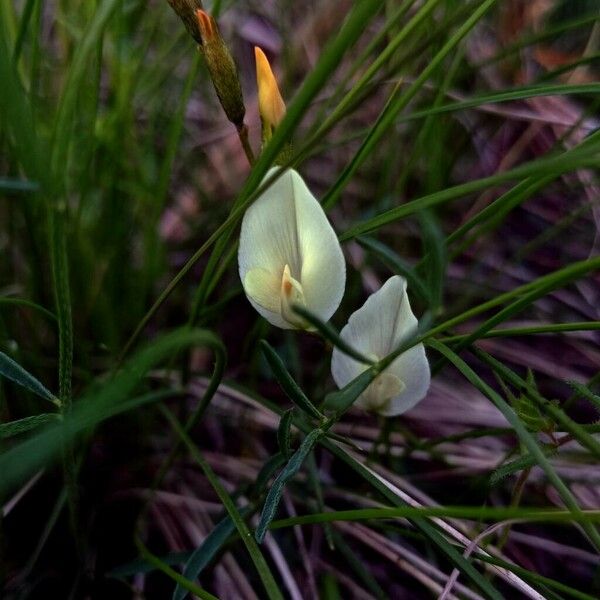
x,y
270,102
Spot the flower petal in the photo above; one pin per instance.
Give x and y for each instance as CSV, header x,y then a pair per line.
x,y
384,322
412,368
262,287
262,290
287,226
323,272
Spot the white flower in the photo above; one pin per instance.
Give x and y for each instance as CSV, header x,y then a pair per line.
x,y
380,326
289,254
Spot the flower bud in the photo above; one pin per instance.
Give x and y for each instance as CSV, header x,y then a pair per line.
x,y
289,254
222,69
376,329
270,102
186,10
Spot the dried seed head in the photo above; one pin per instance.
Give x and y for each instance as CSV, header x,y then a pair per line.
x,y
222,68
186,10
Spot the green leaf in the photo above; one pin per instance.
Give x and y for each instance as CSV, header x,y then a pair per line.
x,y
287,383
273,464
16,114
16,373
283,433
76,79
274,495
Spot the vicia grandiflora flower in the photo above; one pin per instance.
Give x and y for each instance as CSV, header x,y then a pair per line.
x,y
289,254
381,325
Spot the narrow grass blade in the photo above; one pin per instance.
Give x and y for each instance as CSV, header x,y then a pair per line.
x,y
493,214
100,403
397,265
16,373
532,330
267,471
255,554
475,513
555,412
585,392
330,334
274,495
341,400
26,424
167,570
567,161
287,383
434,263
20,186
283,433
393,109
28,304
534,91
203,555
139,565
524,462
428,529
525,437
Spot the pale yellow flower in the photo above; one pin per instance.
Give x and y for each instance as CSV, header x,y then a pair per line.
x,y
380,326
289,254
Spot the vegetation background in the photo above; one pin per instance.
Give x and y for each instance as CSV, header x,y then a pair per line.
x,y
454,142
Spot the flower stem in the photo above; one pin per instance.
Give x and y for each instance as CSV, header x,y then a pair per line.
x,y
245,141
